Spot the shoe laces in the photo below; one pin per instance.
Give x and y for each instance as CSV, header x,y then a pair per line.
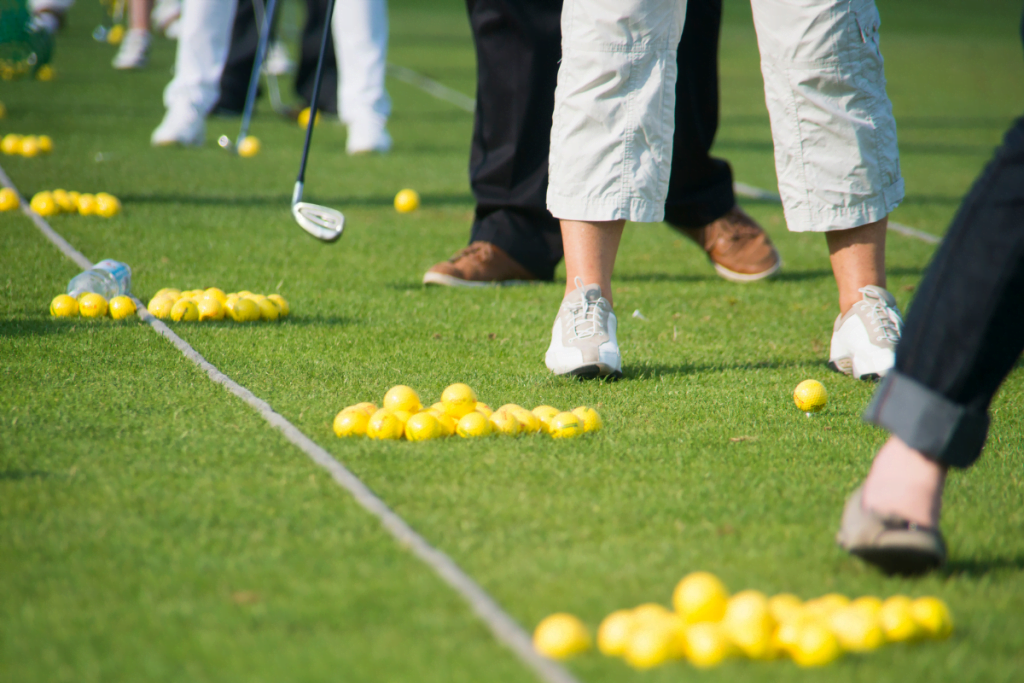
x,y
882,315
586,314
469,251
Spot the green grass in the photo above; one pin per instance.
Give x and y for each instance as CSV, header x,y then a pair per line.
x,y
152,527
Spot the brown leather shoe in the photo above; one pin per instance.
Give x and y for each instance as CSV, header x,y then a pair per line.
x,y
481,264
740,248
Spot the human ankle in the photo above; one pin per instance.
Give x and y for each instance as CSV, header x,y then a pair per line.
x,y
903,482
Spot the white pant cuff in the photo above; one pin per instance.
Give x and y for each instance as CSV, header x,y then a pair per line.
x,y
802,218
576,209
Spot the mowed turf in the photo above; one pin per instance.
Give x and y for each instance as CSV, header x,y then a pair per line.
x,y
152,527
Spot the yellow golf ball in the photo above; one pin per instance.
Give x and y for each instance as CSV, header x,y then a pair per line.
x,y
8,199
590,419
303,118
45,143
86,204
11,144
384,426
210,309
282,304
565,426
561,636
504,422
402,397
64,202
63,306
29,146
422,427
92,306
121,307
458,400
810,396
700,596
407,201
43,204
613,634
107,205
245,311
185,310
249,147
351,422
473,425
160,306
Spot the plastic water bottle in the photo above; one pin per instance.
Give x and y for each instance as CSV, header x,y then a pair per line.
x,y
108,278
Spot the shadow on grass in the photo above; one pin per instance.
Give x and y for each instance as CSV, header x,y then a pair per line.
x,y
981,566
22,475
656,370
783,276
284,200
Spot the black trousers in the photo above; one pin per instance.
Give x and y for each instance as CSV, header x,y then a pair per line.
x,y
518,46
965,329
234,82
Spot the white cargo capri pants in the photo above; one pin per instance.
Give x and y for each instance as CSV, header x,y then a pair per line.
x,y
832,124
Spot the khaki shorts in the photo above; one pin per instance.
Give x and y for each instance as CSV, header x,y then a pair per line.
x,y
835,137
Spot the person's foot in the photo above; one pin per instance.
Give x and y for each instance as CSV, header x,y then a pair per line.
x,y
134,50
181,126
481,264
367,138
583,342
889,541
739,248
864,339
278,62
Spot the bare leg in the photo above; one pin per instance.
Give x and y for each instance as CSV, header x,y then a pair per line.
x,y
590,249
858,260
138,14
905,483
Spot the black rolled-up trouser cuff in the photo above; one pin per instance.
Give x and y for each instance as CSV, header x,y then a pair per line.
x,y
949,433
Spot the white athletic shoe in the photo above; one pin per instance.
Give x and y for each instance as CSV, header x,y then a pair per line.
x,y
181,126
134,51
864,340
367,138
278,62
583,342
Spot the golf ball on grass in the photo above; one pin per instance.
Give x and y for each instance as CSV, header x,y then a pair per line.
x,y
249,146
810,396
407,201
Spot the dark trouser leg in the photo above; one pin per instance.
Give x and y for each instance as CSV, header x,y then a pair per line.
x,y
234,82
965,329
700,187
309,52
518,45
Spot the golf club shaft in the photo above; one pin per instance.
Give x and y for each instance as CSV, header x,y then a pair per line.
x,y
316,95
257,65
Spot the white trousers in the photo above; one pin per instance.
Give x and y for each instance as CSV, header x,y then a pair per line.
x,y
360,31
202,52
832,125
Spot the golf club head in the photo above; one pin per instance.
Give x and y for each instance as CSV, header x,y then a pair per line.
x,y
321,222
225,142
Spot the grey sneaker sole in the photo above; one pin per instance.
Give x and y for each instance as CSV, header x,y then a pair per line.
x,y
733,276
845,366
595,372
449,281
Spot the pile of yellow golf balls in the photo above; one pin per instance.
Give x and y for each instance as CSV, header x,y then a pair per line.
x,y
13,144
458,412
91,305
213,304
47,203
707,626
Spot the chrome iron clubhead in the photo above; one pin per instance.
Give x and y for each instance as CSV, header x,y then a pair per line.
x,y
323,223
225,143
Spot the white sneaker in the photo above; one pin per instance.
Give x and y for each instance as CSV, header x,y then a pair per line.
x,y
366,138
583,342
134,50
278,62
181,126
864,340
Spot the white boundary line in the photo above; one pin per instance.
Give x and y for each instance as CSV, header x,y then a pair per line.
x,y
467,103
503,626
